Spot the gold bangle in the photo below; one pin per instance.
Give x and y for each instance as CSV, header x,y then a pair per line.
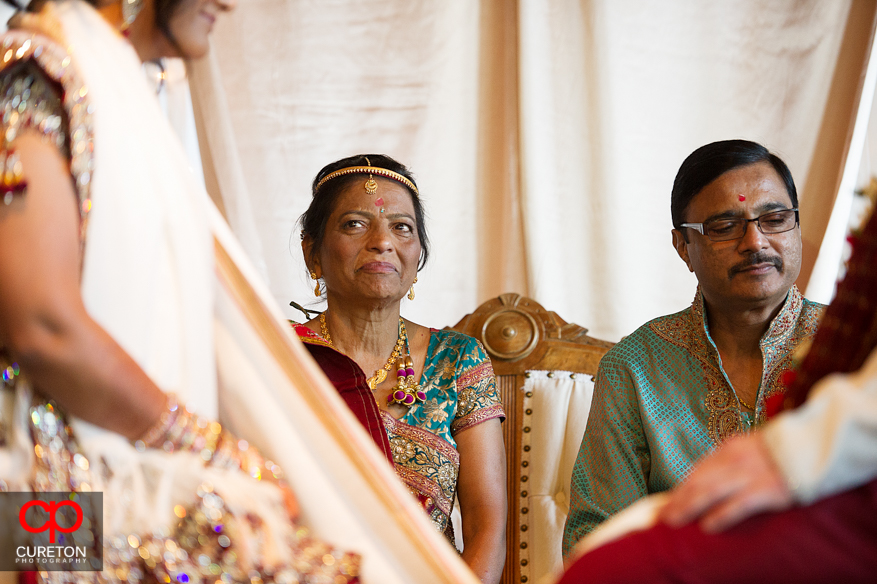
x,y
178,429
164,423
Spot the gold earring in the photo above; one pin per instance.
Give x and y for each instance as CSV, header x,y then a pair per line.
x,y
411,291
317,287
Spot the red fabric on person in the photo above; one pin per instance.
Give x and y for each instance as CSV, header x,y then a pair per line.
x,y
848,332
832,540
351,384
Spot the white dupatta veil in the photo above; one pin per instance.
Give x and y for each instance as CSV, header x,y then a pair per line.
x,y
166,278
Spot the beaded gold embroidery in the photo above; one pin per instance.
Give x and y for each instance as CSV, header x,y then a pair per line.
x,y
207,544
39,90
203,544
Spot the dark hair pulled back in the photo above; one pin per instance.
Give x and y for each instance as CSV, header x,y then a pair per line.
x,y
313,221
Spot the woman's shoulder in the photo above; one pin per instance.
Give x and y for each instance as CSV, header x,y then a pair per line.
x,y
307,335
454,344
41,91
36,99
453,338
31,54
29,101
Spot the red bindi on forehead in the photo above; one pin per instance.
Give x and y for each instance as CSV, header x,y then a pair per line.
x,y
741,197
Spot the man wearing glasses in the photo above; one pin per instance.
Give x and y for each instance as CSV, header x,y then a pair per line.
x,y
682,384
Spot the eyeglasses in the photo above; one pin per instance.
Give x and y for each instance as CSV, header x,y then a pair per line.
x,y
735,227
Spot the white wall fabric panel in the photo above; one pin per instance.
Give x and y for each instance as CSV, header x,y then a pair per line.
x,y
614,95
310,82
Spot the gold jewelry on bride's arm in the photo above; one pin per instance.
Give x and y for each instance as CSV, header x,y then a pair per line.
x,y
179,430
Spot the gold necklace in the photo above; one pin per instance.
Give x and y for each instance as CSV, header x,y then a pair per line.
x,y
744,404
381,374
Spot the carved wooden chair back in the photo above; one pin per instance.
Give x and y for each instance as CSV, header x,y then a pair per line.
x,y
521,337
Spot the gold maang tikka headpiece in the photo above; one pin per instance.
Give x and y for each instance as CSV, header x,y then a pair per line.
x,y
370,171
371,185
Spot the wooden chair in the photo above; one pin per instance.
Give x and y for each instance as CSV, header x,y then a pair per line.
x,y
530,345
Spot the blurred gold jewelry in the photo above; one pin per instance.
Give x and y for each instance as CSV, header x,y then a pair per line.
x,y
411,291
317,287
179,430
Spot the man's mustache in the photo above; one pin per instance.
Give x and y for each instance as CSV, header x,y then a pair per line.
x,y
755,259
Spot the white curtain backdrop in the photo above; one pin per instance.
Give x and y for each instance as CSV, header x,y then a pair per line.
x,y
308,83
614,96
544,134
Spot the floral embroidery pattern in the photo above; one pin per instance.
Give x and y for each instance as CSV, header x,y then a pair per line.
x,y
458,380
428,465
460,392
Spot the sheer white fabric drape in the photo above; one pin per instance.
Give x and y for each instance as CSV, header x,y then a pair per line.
x,y
544,134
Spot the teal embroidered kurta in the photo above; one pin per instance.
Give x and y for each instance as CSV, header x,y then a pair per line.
x,y
661,401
